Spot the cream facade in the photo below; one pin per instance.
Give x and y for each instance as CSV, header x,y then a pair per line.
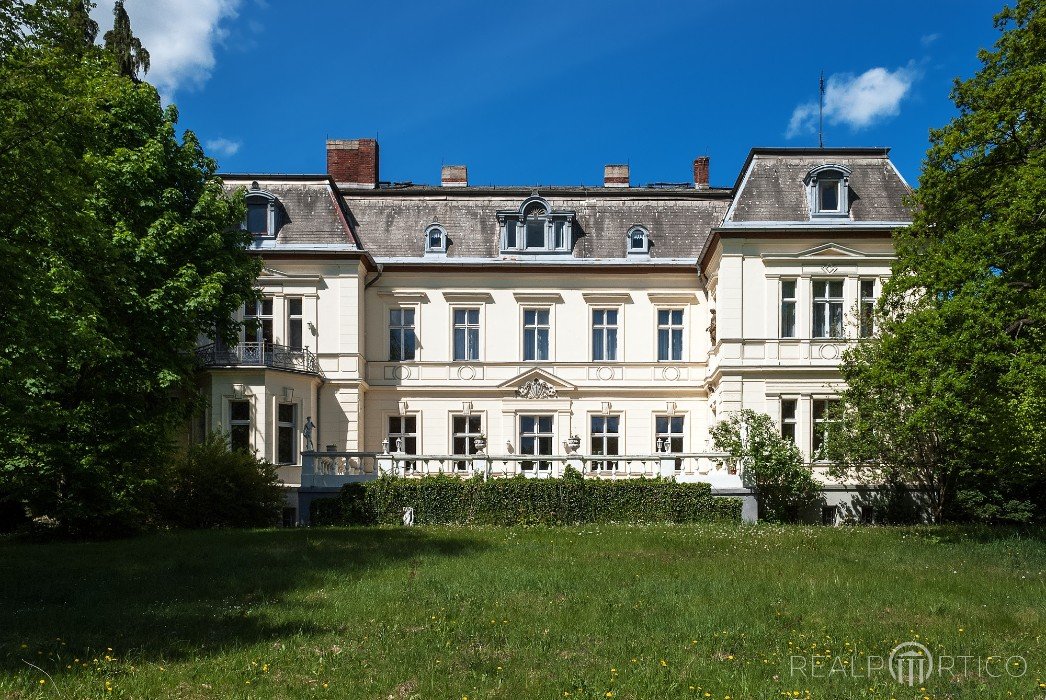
x,y
604,327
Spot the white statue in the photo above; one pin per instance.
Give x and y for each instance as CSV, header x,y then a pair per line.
x,y
408,516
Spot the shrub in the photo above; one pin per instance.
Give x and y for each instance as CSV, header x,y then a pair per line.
x,y
211,486
522,501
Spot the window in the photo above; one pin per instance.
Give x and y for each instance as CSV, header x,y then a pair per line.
x,y
788,301
463,442
605,441
669,334
294,322
240,425
828,308
828,188
402,341
466,334
262,212
403,437
257,321
435,239
829,515
604,334
823,417
668,436
535,334
536,228
286,433
867,310
535,438
638,240
788,418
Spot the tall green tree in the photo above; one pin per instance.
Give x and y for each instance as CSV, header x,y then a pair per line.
x,y
951,397
120,248
131,57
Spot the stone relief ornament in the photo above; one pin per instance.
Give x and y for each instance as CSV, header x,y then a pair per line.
x,y
536,389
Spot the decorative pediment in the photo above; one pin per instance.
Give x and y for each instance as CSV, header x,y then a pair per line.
x,y
537,384
830,250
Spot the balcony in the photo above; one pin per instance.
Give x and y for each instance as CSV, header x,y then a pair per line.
x,y
259,355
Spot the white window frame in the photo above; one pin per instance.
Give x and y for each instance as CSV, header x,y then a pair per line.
x,y
240,422
295,319
553,220
478,326
671,326
816,423
523,333
389,330
441,247
261,317
293,425
537,466
644,249
605,328
793,302
606,465
822,175
792,422
468,435
670,435
827,302
866,307
392,437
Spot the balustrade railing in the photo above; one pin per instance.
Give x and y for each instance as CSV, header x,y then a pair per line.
x,y
258,355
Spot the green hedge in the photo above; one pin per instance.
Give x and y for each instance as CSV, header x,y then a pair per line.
x,y
522,501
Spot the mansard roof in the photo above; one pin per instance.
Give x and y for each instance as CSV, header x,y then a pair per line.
x,y
310,211
771,188
390,221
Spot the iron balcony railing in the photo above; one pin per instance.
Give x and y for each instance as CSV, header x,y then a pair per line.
x,y
258,355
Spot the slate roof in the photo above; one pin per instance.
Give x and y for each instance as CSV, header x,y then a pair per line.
x,y
391,223
770,187
307,207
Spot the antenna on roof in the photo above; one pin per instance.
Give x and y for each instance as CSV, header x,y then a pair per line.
x,y
820,112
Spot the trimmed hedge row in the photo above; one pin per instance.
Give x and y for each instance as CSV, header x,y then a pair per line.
x,y
449,500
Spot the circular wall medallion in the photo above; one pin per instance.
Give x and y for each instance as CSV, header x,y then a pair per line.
x,y
829,352
670,373
467,372
401,372
605,373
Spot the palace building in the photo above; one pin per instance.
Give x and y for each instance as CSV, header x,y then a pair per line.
x,y
517,329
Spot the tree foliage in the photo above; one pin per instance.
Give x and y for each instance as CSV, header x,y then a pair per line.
x,y
951,395
131,57
784,482
119,248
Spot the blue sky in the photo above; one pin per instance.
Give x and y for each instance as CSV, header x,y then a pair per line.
x,y
548,92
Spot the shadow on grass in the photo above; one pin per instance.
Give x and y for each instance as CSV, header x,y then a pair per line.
x,y
179,595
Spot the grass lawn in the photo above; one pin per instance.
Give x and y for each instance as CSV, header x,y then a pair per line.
x,y
587,612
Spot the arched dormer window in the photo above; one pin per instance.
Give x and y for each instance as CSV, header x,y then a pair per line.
x,y
435,239
262,212
536,228
828,191
638,240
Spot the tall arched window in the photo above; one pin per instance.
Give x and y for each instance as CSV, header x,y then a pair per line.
x,y
536,228
828,191
435,239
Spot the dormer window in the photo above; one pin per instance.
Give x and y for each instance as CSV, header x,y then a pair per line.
x,y
828,188
262,212
638,241
435,239
536,228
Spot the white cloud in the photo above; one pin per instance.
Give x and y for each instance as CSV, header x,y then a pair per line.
x,y
857,101
928,39
222,147
179,34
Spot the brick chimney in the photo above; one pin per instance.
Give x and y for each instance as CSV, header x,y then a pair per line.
x,y
454,176
615,176
701,172
353,163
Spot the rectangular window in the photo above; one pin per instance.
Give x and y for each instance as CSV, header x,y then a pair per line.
x,y
829,515
535,233
823,416
257,321
668,435
669,335
535,438
788,418
258,218
403,436
559,236
286,433
535,334
788,301
463,442
466,334
604,334
294,322
510,235
402,341
605,441
867,308
829,195
828,309
240,425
